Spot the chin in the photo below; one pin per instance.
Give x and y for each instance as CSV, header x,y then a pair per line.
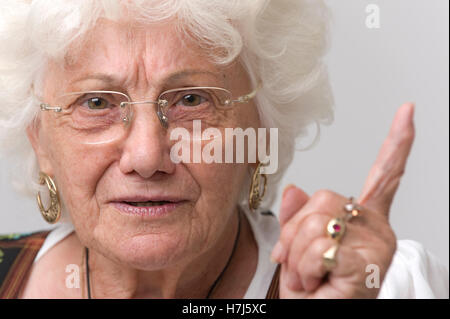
x,y
152,252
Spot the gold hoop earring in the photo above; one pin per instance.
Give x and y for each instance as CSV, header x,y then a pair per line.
x,y
255,195
53,213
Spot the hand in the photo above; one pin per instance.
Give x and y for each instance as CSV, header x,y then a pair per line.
x,y
369,239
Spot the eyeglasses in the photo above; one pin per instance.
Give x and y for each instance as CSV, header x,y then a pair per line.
x,y
98,117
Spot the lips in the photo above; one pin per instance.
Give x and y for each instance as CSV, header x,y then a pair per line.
x,y
147,203
138,199
147,207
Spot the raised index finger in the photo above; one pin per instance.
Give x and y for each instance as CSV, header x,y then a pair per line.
x,y
384,176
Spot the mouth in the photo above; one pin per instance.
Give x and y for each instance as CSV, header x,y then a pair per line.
x,y
144,207
147,203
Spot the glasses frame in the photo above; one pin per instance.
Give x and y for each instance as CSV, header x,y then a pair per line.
x,y
161,103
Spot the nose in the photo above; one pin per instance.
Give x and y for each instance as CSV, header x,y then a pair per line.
x,y
146,149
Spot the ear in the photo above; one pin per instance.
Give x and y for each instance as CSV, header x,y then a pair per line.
x,y
34,131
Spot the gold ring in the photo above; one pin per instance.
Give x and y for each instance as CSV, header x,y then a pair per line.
x,y
336,228
329,257
353,209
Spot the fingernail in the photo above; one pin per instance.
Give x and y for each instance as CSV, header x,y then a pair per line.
x,y
408,117
278,253
411,111
285,190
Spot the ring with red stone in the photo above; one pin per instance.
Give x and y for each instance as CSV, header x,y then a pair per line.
x,y
353,209
336,228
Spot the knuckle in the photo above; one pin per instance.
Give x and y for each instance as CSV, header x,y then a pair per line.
x,y
288,232
314,224
293,262
322,196
391,241
319,246
405,137
394,180
295,256
388,236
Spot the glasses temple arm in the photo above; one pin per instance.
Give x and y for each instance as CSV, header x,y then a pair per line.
x,y
249,96
46,107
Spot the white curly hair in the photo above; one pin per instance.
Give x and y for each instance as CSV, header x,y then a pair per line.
x,y
280,42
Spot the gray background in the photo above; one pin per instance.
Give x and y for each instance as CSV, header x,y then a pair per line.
x,y
373,71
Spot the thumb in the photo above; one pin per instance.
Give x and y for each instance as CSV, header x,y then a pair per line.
x,y
292,201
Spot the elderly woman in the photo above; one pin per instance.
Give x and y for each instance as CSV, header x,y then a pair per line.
x,y
102,100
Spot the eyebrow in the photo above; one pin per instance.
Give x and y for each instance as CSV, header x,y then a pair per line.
x,y
176,76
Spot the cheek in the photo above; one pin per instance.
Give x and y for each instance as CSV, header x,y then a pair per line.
x,y
221,182
220,186
77,170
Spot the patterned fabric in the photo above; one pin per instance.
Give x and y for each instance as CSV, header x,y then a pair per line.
x,y
14,236
17,253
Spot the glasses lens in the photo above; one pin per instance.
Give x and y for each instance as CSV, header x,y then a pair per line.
x,y
186,105
95,117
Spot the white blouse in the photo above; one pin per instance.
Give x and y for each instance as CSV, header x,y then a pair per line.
x,y
414,272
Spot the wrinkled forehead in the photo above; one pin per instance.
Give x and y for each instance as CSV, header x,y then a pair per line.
x,y
135,55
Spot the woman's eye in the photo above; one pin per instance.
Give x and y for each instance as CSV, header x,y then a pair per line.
x,y
192,100
97,103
